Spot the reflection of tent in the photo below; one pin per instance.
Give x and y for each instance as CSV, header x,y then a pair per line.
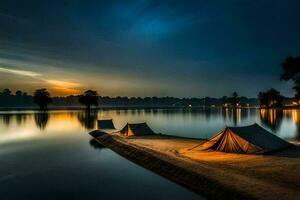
x,y
136,129
248,139
106,124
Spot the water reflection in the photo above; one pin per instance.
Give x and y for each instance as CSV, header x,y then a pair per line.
x,y
41,119
271,118
199,123
6,119
21,118
88,119
294,116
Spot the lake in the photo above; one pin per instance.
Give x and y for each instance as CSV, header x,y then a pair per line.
x,y
49,155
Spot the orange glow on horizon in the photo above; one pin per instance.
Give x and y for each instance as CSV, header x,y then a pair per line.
x,y
64,88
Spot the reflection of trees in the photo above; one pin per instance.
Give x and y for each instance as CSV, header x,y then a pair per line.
x,y
244,114
271,118
21,118
236,116
6,118
96,144
207,112
88,118
296,120
41,120
224,113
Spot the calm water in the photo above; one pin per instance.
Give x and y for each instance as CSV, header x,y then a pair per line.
x,y
50,155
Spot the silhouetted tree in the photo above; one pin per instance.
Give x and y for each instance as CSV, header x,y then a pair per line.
x,y
18,93
89,98
235,95
270,98
6,92
42,98
291,71
235,99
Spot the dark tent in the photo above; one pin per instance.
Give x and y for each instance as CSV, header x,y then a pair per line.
x,y
106,124
137,130
248,139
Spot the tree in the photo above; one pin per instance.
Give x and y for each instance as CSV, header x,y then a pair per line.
x,y
42,98
291,71
224,101
18,93
89,98
235,99
235,95
270,98
6,92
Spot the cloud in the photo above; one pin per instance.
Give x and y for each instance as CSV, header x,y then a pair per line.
x,y
58,87
65,84
19,72
64,87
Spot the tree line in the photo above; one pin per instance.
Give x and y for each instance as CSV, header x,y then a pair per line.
x,y
268,99
90,98
290,72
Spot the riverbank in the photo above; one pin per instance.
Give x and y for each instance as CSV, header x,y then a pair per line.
x,y
212,174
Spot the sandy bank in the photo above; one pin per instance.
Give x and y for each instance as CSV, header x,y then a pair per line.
x,y
212,174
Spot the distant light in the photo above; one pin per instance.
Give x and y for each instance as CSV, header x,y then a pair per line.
x,y
190,105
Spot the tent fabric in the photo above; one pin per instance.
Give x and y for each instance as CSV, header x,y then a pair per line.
x,y
249,139
106,124
137,130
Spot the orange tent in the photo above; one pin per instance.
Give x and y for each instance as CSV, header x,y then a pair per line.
x,y
248,139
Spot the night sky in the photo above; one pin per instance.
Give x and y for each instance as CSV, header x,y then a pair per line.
x,y
191,48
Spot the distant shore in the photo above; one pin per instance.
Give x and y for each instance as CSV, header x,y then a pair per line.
x,y
51,108
211,174
102,107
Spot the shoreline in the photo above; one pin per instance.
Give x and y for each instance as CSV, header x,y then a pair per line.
x,y
212,180
170,171
108,107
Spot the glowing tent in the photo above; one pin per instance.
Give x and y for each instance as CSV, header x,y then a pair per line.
x,y
251,139
106,124
137,130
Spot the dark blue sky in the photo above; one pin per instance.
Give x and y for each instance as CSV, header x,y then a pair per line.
x,y
191,48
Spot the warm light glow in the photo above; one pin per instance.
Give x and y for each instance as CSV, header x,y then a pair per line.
x,y
64,87
295,116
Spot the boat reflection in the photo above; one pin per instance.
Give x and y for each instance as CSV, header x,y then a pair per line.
x,y
95,144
